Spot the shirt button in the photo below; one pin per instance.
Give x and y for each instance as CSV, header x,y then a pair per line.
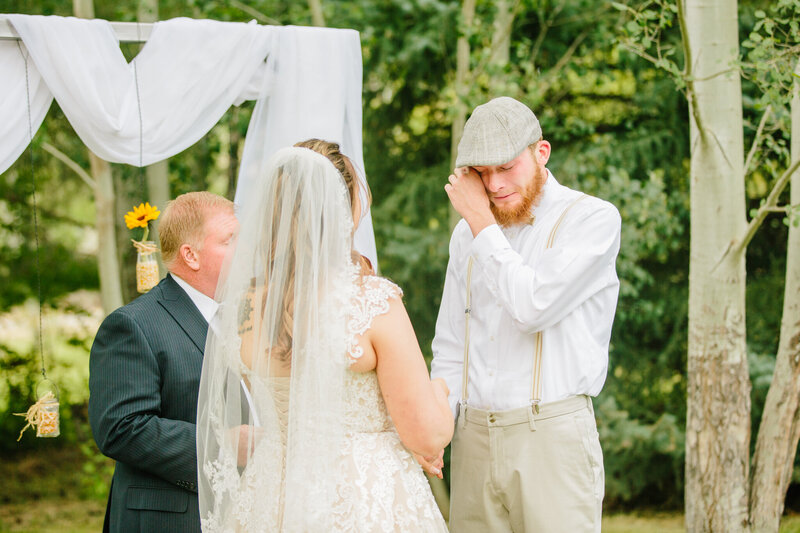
x,y
491,338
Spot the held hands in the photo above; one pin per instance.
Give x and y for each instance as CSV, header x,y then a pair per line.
x,y
432,465
244,439
468,196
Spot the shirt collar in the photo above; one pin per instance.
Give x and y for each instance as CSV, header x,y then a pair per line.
x,y
548,193
207,306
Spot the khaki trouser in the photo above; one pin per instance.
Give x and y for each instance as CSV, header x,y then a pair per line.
x,y
524,472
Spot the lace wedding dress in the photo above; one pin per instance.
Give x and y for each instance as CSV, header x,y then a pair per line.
x,y
289,438
382,486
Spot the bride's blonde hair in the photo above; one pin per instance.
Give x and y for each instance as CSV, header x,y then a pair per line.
x,y
345,167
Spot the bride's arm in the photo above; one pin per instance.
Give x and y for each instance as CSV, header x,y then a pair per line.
x,y
419,408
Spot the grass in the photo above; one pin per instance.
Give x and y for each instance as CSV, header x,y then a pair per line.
x,y
643,523
67,516
65,490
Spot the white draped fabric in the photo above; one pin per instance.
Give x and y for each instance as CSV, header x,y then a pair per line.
x,y
16,129
179,86
311,73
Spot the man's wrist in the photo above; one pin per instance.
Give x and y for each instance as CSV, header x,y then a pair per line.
x,y
480,222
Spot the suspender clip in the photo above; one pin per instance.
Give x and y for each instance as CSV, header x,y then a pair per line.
x,y
467,310
462,413
531,412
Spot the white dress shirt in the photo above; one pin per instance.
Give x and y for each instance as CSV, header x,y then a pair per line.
x,y
206,305
208,308
568,292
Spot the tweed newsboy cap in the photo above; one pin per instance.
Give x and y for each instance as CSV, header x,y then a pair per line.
x,y
497,132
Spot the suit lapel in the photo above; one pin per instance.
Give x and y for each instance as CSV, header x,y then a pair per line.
x,y
178,304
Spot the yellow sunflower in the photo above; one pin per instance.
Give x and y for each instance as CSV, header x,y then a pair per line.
x,y
141,215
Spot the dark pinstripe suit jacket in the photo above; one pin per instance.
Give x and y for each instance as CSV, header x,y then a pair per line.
x,y
144,376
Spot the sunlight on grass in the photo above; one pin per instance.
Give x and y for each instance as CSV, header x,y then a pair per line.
x,y
669,523
645,523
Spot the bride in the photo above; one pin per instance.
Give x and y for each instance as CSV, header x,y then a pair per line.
x,y
314,393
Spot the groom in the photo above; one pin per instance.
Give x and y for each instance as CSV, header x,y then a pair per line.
x,y
523,331
145,371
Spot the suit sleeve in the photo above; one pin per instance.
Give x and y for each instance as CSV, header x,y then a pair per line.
x,y
125,405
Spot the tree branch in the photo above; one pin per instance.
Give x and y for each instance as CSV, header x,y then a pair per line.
x,y
688,76
563,60
258,15
64,158
546,25
756,140
768,207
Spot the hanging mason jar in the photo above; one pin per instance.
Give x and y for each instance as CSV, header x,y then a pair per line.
x,y
146,266
48,425
43,415
47,418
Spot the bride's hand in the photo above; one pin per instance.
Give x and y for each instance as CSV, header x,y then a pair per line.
x,y
244,431
432,465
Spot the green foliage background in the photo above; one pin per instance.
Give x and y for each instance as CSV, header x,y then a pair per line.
x,y
619,130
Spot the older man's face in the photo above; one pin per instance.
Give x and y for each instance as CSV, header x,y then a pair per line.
x,y
219,232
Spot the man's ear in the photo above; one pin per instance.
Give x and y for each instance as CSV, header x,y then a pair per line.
x,y
542,152
189,256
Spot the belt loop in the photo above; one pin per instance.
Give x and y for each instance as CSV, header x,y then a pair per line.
x,y
531,422
462,413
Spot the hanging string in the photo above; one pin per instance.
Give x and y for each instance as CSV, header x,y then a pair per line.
x,y
35,216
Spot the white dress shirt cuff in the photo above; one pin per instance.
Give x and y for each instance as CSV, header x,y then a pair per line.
x,y
488,242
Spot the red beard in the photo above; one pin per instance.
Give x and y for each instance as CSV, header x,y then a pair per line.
x,y
531,196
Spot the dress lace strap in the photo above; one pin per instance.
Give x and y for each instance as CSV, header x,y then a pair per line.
x,y
369,302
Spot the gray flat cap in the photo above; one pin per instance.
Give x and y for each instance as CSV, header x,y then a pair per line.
x,y
497,132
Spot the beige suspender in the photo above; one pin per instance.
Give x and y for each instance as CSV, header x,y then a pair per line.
x,y
467,313
536,385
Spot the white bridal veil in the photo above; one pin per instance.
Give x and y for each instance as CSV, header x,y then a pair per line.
x,y
279,338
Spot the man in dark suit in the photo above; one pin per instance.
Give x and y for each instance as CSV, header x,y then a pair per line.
x,y
145,371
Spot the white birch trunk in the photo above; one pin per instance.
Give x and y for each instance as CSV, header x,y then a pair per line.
x,y
158,173
501,37
779,432
461,89
317,16
107,258
718,413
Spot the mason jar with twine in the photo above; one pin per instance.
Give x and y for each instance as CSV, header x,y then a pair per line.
x,y
147,274
43,415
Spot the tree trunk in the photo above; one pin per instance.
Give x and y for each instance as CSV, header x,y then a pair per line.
x,y
107,259
780,424
158,195
461,89
718,412
501,37
235,140
158,173
317,17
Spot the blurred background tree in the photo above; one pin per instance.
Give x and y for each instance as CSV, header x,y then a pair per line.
x,y
618,127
